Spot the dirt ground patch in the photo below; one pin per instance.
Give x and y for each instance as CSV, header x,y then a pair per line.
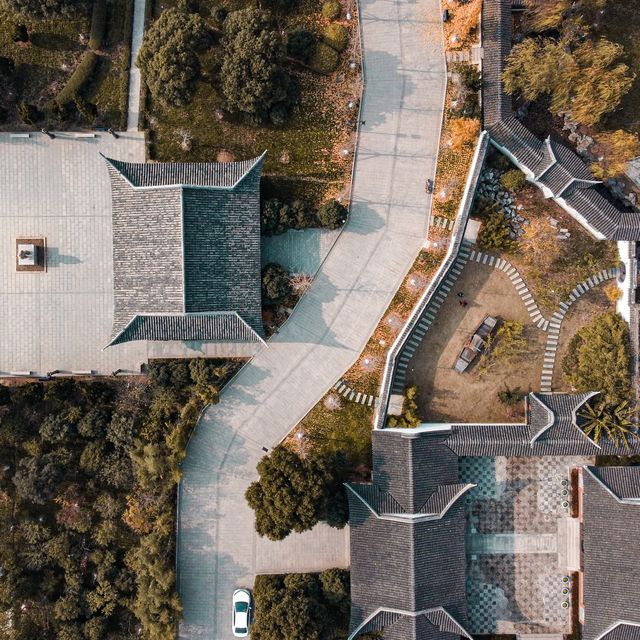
x,y
581,313
445,395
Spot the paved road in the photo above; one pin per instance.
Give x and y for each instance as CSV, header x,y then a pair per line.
x,y
217,548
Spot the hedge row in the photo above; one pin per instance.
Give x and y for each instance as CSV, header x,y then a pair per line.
x,y
98,24
78,78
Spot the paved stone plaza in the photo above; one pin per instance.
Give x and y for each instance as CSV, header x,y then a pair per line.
x,y
61,319
520,543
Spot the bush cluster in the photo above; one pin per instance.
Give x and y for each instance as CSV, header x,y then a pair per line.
x,y
331,9
43,8
278,216
325,59
302,605
336,36
301,44
513,180
409,417
91,469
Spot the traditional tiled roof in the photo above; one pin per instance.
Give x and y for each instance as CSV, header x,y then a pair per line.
x,y
186,240
218,326
611,510
496,38
552,429
408,572
221,175
436,624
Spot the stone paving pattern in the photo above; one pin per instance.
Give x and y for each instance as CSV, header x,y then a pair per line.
x,y
59,189
402,107
521,591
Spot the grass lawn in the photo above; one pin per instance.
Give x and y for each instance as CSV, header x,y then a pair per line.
x,y
43,66
304,155
346,429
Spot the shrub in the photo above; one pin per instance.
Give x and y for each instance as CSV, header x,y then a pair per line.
x,y
276,284
332,214
254,81
599,359
331,9
614,150
42,8
168,56
409,417
98,23
510,397
325,59
28,113
470,77
336,36
321,603
495,232
301,44
513,180
464,133
20,33
78,78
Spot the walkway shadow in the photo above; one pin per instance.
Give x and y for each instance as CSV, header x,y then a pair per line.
x,y
388,75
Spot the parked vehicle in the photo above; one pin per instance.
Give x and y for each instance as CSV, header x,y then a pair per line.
x,y
241,613
428,187
476,344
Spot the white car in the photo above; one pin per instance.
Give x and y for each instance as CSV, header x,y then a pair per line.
x,y
241,613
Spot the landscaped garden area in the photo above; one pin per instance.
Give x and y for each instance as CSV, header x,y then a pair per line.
x,y
64,65
88,499
299,101
552,252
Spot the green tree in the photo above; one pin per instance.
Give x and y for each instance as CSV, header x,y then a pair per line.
x,y
292,493
169,56
253,79
614,422
276,283
37,482
599,359
301,44
332,214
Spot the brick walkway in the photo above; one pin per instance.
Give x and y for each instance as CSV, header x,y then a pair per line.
x,y
402,108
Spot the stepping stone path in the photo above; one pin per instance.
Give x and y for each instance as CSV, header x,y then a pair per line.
x,y
555,324
354,396
428,316
526,297
443,223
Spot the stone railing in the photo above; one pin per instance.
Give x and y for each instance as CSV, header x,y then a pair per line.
x,y
452,253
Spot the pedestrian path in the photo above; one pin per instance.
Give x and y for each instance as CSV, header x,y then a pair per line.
x,y
354,396
135,78
555,324
443,223
525,295
217,546
428,317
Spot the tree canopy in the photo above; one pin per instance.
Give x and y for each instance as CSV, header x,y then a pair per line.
x,y
42,8
301,605
253,79
294,493
599,359
586,80
169,56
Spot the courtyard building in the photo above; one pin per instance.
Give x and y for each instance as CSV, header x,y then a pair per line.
x,y
108,261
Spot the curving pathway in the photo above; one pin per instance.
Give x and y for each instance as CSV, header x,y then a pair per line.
x,y
217,548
